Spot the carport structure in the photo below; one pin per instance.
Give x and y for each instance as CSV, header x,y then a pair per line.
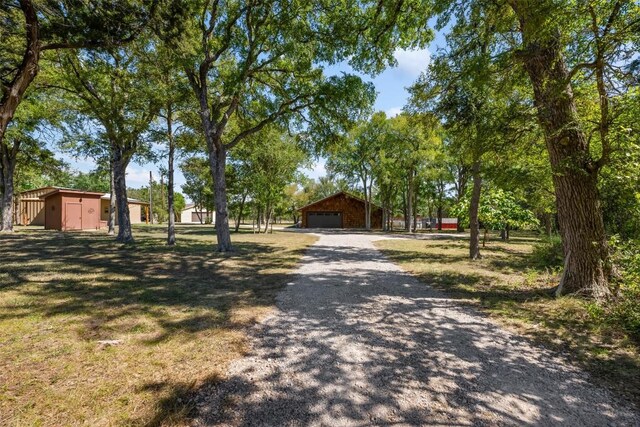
x,y
340,210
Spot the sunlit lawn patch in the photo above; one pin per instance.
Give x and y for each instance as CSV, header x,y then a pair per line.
x,y
97,333
515,290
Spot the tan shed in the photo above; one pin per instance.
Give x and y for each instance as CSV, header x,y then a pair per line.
x,y
340,210
30,206
71,210
137,210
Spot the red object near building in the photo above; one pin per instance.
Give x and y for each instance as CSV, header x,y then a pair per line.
x,y
449,223
71,210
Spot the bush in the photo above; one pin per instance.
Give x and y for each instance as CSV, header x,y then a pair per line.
x,y
625,308
623,311
548,253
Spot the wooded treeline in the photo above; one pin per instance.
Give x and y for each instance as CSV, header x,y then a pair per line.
x,y
528,115
525,117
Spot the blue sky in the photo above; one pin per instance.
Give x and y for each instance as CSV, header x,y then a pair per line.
x,y
391,97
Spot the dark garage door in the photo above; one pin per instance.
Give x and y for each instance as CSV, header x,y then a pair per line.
x,y
324,220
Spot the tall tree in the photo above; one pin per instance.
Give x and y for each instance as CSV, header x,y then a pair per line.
x,y
269,168
254,64
23,148
464,86
198,186
31,28
172,90
415,141
563,46
357,158
108,88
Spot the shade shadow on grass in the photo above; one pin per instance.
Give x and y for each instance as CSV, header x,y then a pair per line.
x,y
173,315
517,290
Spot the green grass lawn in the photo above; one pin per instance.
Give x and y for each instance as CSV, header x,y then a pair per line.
x,y
97,333
515,290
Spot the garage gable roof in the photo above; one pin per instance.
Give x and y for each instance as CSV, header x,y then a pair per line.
x,y
339,193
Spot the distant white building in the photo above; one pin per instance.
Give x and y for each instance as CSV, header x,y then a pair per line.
x,y
191,215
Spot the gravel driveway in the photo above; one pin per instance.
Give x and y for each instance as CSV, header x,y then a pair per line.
x,y
357,341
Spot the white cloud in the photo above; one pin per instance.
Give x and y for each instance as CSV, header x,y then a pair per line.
x,y
412,62
394,111
138,177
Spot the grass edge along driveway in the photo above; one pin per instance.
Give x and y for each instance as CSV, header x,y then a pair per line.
x,y
512,287
94,332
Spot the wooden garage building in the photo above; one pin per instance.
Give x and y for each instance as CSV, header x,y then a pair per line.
x,y
340,210
71,210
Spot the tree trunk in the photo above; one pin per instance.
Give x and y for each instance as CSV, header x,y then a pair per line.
x,y
440,217
240,211
13,93
218,163
415,213
474,223
385,217
150,197
575,173
8,168
409,214
548,224
367,205
461,187
199,207
267,215
111,220
8,160
404,207
120,162
171,229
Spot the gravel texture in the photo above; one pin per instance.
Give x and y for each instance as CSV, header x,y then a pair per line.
x,y
356,341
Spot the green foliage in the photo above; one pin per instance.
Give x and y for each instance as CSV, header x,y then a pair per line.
x,y
357,157
158,199
498,210
620,180
625,309
548,253
108,101
98,180
199,185
38,167
70,23
266,170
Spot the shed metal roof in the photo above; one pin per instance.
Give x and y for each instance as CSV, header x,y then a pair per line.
x,y
70,191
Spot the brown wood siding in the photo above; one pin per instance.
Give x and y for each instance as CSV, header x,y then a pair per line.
x,y
351,209
72,217
61,214
53,212
30,212
30,208
90,210
135,213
